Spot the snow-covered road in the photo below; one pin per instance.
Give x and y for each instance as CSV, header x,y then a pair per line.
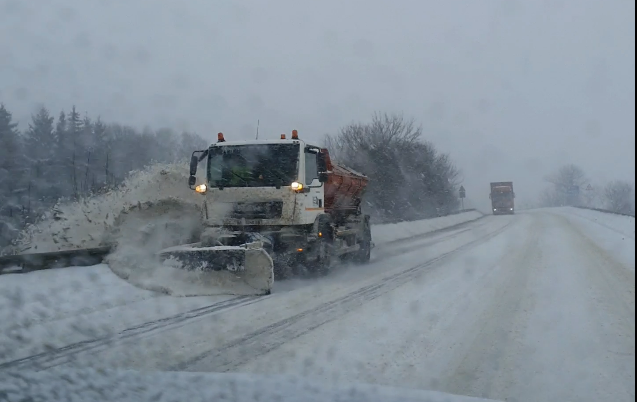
x,y
539,306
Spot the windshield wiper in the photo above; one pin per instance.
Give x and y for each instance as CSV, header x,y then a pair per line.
x,y
278,175
246,181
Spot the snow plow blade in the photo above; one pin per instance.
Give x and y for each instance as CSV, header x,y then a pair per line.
x,y
248,264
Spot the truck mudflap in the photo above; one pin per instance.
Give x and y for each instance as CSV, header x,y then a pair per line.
x,y
248,264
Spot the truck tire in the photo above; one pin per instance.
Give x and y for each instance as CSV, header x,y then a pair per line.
x,y
365,252
323,261
282,268
324,248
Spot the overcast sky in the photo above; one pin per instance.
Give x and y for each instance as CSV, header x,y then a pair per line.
x,y
511,89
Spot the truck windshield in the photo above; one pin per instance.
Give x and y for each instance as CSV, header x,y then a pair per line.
x,y
262,165
502,197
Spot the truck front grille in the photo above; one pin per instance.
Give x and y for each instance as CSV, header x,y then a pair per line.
x,y
257,210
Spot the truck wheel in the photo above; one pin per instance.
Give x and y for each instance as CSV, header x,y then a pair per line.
x,y
281,269
365,252
324,257
324,248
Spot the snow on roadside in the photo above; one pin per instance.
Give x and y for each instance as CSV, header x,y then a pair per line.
x,y
61,293
62,306
614,233
387,233
85,223
619,223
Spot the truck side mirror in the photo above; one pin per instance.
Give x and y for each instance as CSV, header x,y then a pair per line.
x,y
321,163
192,180
194,161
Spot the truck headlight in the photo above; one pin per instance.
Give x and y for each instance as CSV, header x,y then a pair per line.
x,y
296,186
201,189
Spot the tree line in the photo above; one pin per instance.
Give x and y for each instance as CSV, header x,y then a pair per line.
x,y
74,156
71,157
409,178
570,186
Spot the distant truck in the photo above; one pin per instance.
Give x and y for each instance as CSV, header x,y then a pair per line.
x,y
502,198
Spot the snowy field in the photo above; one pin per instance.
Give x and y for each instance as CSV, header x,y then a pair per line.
x,y
538,306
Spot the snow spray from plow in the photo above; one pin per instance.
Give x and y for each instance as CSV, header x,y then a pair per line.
x,y
129,228
150,240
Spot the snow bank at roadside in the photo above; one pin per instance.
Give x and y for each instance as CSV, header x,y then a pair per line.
x,y
391,232
85,223
618,223
614,233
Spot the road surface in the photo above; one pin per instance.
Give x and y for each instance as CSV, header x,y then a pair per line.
x,y
539,306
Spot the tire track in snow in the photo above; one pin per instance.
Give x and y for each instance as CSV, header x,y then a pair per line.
x,y
485,367
612,290
452,228
67,353
233,354
393,249
615,283
557,324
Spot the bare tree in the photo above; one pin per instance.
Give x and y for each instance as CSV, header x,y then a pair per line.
x,y
568,176
566,181
619,197
550,198
409,179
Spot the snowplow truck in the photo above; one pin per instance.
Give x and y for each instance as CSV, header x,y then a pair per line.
x,y
502,198
278,206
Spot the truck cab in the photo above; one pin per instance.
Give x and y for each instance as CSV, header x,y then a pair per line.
x,y
502,198
273,183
